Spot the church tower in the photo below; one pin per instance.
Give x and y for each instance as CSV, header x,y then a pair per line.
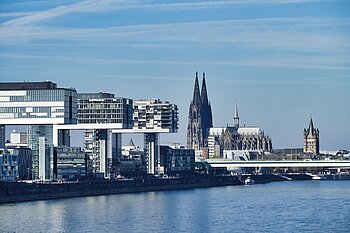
x,y
194,129
200,117
311,139
207,118
236,117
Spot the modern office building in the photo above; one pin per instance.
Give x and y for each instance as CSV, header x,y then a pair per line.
x,y
105,108
8,166
103,146
70,163
51,112
103,149
40,105
176,160
150,117
24,161
36,103
154,116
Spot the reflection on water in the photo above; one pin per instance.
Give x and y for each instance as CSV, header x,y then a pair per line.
x,y
303,206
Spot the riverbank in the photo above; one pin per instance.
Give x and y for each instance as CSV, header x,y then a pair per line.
x,y
20,191
11,192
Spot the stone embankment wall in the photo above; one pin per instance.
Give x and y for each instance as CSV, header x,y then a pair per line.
x,y
18,191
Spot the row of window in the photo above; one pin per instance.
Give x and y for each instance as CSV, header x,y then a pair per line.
x,y
86,111
99,121
98,106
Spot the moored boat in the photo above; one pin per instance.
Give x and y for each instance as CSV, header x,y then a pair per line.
x,y
249,181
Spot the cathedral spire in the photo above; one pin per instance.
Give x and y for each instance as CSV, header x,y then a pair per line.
x,y
196,93
204,94
200,117
236,110
311,126
236,117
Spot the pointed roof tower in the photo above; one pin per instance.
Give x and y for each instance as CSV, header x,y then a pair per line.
x,y
204,93
131,143
210,116
236,111
311,127
196,93
236,117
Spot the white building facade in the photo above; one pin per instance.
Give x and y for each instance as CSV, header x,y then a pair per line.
x,y
40,105
154,116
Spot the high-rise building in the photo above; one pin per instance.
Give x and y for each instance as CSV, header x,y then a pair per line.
x,y
101,145
311,139
40,105
200,117
104,108
154,116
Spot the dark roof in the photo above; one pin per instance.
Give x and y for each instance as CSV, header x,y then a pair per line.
x,y
27,85
98,95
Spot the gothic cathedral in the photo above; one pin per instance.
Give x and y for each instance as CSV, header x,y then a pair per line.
x,y
200,118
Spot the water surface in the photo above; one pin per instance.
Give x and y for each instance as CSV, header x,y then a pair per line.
x,y
299,206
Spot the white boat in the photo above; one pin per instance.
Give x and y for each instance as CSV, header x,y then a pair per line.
x,y
319,177
249,181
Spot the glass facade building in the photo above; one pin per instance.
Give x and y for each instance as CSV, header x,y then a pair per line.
x,y
50,106
101,145
40,105
155,115
104,108
70,163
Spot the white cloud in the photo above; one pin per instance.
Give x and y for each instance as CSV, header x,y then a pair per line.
x,y
115,5
15,14
281,61
83,6
297,34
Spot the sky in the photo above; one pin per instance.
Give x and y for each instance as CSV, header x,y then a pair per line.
x,y
283,61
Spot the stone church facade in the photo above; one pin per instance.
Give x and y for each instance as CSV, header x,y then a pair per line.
x,y
200,117
201,133
311,139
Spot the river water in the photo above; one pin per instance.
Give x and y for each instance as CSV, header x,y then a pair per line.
x,y
295,206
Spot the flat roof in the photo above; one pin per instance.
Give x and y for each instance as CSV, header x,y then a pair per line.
x,y
27,85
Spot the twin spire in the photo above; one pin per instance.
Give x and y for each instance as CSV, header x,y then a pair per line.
x,y
200,116
196,93
200,97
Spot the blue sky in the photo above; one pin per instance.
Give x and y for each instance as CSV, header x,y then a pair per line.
x,y
281,60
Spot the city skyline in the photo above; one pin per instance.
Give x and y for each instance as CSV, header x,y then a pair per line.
x,y
281,60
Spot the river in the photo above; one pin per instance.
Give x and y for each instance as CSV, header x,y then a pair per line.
x,y
294,206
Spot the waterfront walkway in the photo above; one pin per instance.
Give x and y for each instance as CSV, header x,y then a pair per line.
x,y
232,164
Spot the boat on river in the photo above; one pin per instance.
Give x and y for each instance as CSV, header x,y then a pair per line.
x,y
249,181
317,177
